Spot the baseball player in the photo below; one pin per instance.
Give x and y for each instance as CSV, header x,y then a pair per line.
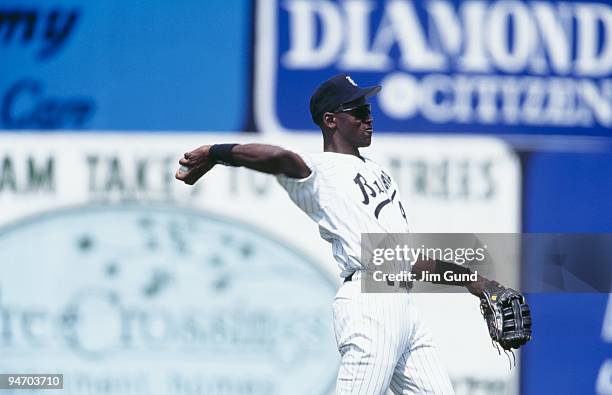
x,y
381,339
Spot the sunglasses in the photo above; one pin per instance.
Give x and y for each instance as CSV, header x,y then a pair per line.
x,y
362,112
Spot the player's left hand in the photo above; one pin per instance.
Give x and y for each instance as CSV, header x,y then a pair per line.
x,y
194,165
507,315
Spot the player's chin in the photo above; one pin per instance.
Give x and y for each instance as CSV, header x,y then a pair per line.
x,y
366,141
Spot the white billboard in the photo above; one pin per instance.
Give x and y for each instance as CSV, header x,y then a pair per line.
x,y
127,281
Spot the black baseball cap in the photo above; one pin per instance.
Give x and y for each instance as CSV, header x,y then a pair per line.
x,y
336,91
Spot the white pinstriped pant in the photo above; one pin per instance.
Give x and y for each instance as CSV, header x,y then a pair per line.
x,y
384,345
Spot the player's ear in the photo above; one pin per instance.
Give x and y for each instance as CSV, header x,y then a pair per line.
x,y
329,120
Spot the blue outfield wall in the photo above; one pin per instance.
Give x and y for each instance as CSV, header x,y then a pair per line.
x,y
450,66
568,192
125,65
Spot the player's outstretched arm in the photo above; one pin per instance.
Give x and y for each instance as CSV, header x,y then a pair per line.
x,y
265,158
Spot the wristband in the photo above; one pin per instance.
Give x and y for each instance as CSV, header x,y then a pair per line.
x,y
222,154
443,267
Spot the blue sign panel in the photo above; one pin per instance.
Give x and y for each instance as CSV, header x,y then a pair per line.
x,y
571,353
505,67
568,192
117,65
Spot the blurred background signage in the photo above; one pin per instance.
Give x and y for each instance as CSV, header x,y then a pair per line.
x,y
503,67
77,64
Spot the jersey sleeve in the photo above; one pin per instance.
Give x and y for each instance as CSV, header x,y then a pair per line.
x,y
304,192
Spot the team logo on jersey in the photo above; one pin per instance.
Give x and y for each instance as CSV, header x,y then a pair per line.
x,y
379,190
450,65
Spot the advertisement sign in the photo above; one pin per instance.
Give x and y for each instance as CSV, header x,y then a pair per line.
x,y
124,65
162,300
503,67
125,280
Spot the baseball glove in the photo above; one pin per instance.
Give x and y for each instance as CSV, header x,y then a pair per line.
x,y
507,315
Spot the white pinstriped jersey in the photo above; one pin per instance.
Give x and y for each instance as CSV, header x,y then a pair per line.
x,y
382,342
347,196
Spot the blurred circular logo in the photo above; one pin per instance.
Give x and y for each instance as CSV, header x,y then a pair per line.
x,y
162,300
